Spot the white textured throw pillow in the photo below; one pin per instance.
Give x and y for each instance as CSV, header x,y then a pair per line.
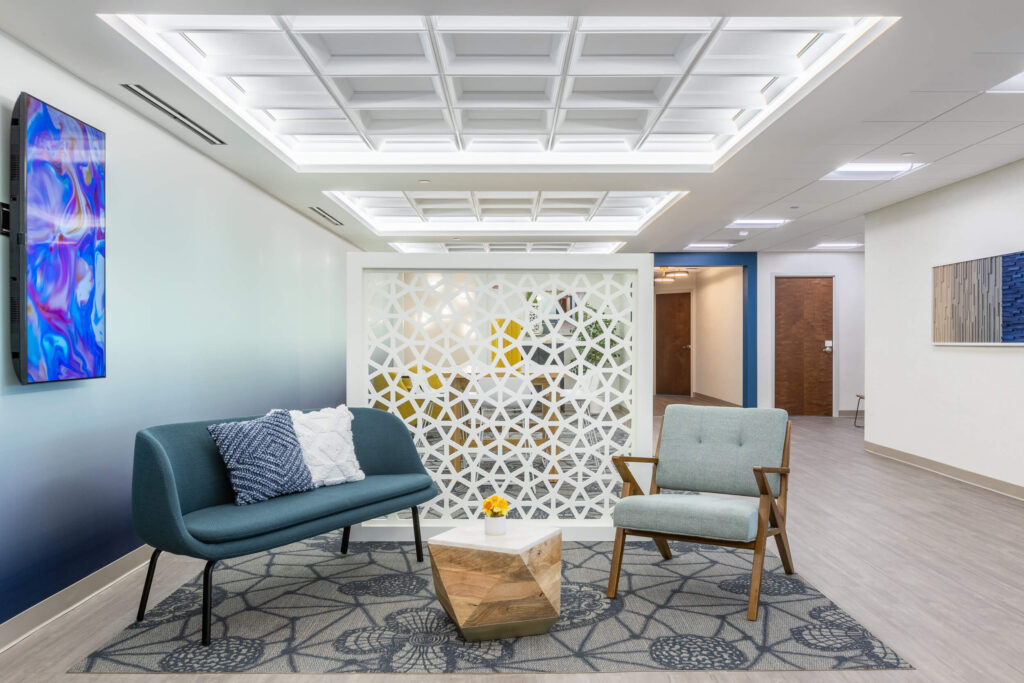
x,y
326,440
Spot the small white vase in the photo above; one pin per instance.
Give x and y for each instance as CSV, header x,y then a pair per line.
x,y
494,526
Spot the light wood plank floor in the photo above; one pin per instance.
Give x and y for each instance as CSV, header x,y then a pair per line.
x,y
934,567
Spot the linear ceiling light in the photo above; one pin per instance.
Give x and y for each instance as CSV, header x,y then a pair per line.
x,y
744,223
345,91
873,171
837,246
507,247
709,245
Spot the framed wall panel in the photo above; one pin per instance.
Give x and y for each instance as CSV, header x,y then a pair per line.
x,y
979,302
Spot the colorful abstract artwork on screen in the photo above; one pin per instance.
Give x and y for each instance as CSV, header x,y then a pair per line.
x,y
66,247
980,301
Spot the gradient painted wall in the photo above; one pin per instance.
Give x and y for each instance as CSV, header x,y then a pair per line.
x,y
221,301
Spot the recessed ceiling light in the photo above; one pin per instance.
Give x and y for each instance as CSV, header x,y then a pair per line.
x,y
424,181
908,154
1012,85
838,245
744,233
859,170
709,245
758,223
456,239
676,274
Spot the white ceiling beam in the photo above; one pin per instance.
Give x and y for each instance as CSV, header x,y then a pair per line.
x,y
563,77
449,99
698,54
302,48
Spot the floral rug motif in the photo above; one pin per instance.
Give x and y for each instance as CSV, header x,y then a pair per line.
x,y
305,608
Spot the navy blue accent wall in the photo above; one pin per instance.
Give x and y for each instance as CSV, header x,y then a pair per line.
x,y
1013,297
748,261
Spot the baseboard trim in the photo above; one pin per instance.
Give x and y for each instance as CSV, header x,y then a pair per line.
x,y
966,476
706,397
22,625
850,413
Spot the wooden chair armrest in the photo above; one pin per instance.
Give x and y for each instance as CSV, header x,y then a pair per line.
x,y
772,470
630,486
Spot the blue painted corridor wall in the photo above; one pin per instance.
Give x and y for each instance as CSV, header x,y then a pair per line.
x,y
1013,298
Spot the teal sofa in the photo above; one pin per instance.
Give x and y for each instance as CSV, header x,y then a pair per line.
x,y
183,503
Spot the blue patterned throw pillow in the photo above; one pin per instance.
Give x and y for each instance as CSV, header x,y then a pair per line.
x,y
263,457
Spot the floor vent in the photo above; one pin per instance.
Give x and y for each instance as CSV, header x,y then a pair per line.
x,y
326,216
151,99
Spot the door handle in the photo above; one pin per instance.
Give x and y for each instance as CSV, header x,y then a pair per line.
x,y
827,349
686,348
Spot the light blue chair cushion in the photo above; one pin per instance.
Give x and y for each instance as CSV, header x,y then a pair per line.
x,y
713,517
228,522
714,450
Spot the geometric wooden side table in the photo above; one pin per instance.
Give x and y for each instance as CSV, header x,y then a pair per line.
x,y
498,586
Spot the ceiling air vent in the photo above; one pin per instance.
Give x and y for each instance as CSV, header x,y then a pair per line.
x,y
326,216
153,100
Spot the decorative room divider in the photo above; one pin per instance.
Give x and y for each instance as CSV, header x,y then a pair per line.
x,y
521,375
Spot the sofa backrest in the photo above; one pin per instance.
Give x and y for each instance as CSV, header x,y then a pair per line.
x,y
714,450
381,440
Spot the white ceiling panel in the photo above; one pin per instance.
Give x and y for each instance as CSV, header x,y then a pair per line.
x,y
952,133
989,107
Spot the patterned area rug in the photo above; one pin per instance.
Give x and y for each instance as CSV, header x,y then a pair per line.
x,y
306,609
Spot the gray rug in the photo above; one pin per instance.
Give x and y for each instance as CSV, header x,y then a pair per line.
x,y
306,609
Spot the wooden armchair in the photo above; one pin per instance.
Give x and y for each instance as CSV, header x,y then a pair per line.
x,y
739,451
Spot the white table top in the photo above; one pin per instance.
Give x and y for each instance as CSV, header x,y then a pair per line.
x,y
518,537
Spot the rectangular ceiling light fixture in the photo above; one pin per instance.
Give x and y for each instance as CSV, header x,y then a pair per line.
x,y
1012,86
745,223
507,247
837,246
709,246
345,91
873,171
547,213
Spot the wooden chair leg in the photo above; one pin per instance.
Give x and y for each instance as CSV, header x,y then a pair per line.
x,y
344,540
782,540
755,576
663,547
616,569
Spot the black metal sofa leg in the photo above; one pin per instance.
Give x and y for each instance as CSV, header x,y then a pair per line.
x,y
416,533
344,540
207,600
148,584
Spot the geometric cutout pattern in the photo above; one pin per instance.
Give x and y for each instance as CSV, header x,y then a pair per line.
x,y
305,608
516,383
337,89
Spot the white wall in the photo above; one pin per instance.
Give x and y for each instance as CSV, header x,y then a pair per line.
x,y
221,301
957,405
718,360
847,323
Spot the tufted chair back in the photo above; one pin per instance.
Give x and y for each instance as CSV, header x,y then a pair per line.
x,y
714,449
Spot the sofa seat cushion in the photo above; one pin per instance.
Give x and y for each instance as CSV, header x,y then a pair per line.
x,y
724,518
222,523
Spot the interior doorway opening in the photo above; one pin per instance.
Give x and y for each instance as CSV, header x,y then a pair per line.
x,y
699,335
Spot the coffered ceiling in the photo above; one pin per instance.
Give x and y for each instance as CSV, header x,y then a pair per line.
x,y
340,90
567,125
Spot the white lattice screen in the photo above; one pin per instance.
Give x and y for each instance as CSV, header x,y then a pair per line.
x,y
521,382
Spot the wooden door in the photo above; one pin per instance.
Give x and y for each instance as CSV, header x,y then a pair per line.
x,y
803,345
672,347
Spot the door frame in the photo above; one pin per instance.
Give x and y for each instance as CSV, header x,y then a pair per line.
x,y
835,334
748,261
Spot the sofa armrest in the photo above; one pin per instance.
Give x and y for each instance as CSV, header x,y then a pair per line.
x,y
156,508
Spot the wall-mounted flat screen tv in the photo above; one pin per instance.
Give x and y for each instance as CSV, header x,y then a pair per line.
x,y
58,245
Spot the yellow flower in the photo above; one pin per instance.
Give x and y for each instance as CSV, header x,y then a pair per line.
x,y
495,506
